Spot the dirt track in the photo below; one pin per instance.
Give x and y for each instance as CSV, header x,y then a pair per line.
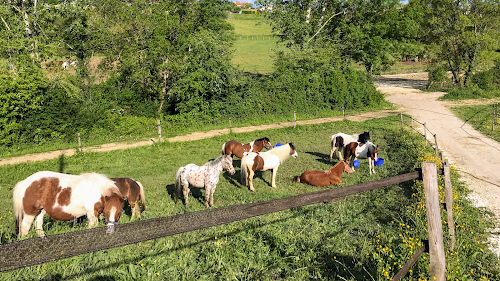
x,y
476,156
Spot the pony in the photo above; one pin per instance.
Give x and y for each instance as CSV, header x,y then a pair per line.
x,y
340,140
233,147
263,161
205,176
366,150
133,192
65,197
324,178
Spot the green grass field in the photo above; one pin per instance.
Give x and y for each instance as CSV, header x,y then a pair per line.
x,y
368,236
481,118
255,45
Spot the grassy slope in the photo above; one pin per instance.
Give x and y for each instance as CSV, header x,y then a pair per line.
x,y
255,44
362,237
481,118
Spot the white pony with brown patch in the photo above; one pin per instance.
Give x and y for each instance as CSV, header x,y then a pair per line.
x,y
263,161
65,197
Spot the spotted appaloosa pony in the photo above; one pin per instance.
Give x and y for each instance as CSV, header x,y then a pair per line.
x,y
324,178
233,147
133,192
65,197
206,176
340,140
366,150
263,161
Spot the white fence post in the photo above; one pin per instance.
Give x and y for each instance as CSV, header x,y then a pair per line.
x,y
159,130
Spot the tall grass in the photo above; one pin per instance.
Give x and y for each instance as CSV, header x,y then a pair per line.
x,y
368,236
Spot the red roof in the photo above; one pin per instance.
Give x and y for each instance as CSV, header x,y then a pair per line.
x,y
240,3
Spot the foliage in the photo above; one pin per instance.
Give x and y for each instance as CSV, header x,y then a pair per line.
x,y
315,79
437,76
368,236
459,31
371,32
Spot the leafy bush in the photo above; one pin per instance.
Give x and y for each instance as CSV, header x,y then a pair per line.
x,y
437,76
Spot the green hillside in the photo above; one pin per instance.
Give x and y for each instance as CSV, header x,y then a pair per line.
x,y
255,44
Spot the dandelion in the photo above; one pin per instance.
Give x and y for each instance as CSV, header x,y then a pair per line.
x,y
142,264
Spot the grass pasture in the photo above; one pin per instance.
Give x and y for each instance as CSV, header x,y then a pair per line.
x,y
481,118
255,43
368,236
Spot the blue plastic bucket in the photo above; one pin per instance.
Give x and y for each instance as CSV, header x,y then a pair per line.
x,y
379,162
356,164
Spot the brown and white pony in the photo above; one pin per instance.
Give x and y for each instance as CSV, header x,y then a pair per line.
x,y
324,178
367,150
65,197
340,140
233,147
133,192
263,161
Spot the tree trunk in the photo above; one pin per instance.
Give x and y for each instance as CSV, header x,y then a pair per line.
x,y
164,90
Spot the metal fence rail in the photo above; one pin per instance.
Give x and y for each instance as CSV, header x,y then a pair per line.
x,y
35,251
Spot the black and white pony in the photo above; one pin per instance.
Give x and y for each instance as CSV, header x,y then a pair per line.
x,y
340,140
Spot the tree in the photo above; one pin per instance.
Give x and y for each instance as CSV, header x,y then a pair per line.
x,y
369,32
460,31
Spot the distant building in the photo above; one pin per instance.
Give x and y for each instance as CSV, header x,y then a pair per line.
x,y
240,4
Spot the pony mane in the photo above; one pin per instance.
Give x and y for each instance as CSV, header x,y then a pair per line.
x,y
283,152
262,139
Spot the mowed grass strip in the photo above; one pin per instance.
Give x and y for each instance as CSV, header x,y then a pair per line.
x,y
361,237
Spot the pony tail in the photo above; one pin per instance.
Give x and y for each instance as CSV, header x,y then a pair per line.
x,y
178,188
18,207
224,149
296,179
142,199
243,172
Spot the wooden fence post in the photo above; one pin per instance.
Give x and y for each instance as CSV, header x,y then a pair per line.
x,y
494,116
79,143
401,115
159,130
449,204
436,245
425,133
437,148
294,119
230,124
343,112
411,117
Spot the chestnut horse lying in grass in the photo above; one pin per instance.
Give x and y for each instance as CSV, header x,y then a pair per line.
x,y
324,178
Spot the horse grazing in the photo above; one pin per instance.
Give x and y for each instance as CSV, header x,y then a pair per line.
x,y
133,192
340,140
263,161
233,147
205,176
366,150
65,197
324,178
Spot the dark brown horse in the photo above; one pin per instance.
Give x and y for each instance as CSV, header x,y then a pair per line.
x,y
233,147
133,192
324,178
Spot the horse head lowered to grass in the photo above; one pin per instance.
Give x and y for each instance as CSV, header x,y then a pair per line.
x,y
368,150
65,197
324,178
